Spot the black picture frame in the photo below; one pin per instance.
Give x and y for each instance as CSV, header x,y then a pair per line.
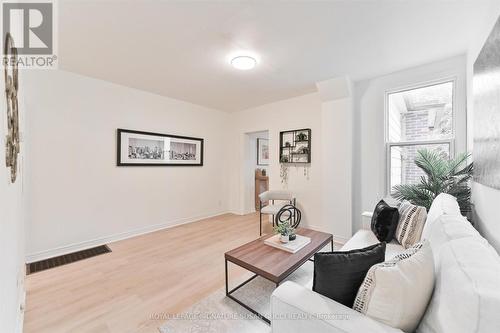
x,y
290,143
259,144
119,157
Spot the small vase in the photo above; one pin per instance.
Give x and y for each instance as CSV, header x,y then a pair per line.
x,y
292,237
284,238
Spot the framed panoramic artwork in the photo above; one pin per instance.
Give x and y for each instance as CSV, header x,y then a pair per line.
x,y
486,85
136,148
262,152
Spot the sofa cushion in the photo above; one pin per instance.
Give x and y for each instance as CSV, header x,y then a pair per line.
x,y
397,291
339,274
411,222
449,227
466,296
443,204
296,309
385,220
364,238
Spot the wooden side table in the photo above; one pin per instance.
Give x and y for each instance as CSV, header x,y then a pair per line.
x,y
261,185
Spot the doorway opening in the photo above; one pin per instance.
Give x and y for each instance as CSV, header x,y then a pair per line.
x,y
255,168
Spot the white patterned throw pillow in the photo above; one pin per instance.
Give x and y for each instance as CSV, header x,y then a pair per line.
x,y
396,292
411,223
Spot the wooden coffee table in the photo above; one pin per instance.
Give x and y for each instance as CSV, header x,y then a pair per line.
x,y
272,264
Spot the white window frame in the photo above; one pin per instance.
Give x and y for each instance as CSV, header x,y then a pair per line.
x,y
389,145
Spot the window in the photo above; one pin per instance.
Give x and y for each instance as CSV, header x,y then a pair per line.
x,y
418,118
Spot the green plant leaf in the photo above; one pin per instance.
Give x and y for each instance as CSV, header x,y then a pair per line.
x,y
442,175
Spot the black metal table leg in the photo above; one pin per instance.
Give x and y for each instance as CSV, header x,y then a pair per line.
x,y
331,245
229,294
225,264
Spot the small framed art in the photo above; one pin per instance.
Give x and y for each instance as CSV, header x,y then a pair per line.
x,y
262,152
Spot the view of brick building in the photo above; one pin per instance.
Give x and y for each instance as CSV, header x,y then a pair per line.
x,y
419,118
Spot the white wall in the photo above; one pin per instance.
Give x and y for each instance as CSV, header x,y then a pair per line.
x,y
369,168
250,165
295,113
12,269
78,197
77,194
299,112
336,175
485,199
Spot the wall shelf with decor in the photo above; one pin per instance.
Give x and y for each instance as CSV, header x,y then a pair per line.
x,y
295,146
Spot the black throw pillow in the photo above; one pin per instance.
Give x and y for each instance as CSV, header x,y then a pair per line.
x,y
338,275
384,221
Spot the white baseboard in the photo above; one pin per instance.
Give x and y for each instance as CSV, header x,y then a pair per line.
x,y
115,237
20,314
340,240
242,212
336,239
21,306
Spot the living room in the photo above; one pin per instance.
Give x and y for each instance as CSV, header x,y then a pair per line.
x,y
241,166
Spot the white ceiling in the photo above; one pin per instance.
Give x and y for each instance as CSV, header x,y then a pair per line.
x,y
180,49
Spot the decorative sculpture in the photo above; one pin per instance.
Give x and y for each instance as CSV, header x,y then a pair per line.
x,y
11,89
289,214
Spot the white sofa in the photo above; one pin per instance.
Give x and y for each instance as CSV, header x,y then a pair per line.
x,y
466,296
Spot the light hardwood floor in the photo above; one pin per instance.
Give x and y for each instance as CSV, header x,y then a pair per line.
x,y
159,273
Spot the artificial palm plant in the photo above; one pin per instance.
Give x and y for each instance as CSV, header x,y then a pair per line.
x,y
443,175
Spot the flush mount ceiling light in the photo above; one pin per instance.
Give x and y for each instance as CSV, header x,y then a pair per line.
x,y
243,62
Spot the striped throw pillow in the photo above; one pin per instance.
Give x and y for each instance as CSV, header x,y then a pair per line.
x,y
411,223
396,292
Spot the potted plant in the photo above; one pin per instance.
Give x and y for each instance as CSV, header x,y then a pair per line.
x,y
301,137
284,230
303,150
284,170
443,175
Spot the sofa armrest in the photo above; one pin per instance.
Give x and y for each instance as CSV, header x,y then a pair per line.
x,y
295,308
366,218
